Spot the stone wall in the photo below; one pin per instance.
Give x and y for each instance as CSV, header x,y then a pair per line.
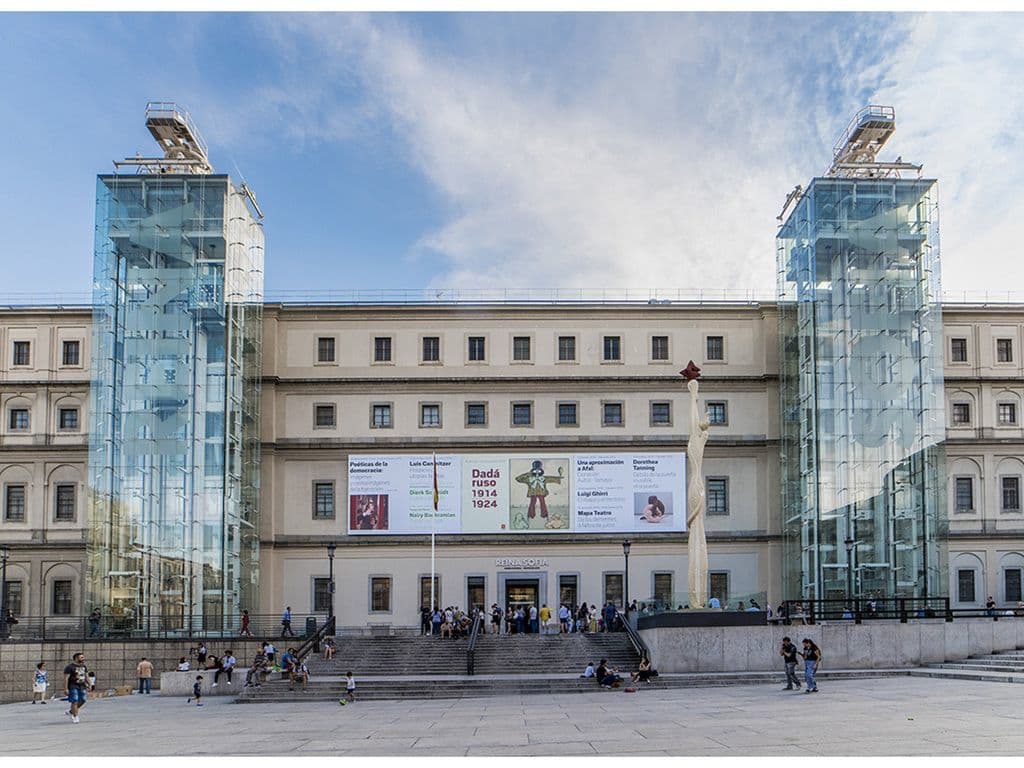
x,y
844,645
113,662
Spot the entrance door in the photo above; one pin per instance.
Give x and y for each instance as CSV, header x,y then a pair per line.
x,y
522,593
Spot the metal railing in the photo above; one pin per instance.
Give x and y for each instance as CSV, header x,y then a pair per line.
x,y
36,628
474,633
859,610
634,637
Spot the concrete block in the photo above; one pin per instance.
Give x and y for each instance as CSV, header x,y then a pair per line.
x,y
710,645
835,644
933,642
908,645
956,640
734,648
980,636
763,649
1004,634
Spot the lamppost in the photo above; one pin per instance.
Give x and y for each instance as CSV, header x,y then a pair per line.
x,y
626,543
850,543
330,559
5,552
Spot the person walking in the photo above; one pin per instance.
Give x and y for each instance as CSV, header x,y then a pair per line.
x,y
39,683
534,621
563,619
609,617
197,692
76,684
286,622
144,670
812,658
201,656
425,620
788,653
227,665
495,619
94,623
244,631
435,621
545,619
350,686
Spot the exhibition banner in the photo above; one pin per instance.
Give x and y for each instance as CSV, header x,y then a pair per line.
x,y
518,493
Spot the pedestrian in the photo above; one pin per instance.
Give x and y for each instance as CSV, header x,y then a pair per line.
x,y
244,631
183,665
94,622
76,684
812,658
350,686
39,683
534,621
197,691
495,619
144,670
227,665
990,606
258,666
788,653
609,617
269,650
329,649
286,622
520,620
425,620
201,656
545,618
435,621
299,672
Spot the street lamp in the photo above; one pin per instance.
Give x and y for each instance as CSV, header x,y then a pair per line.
x,y
5,552
626,543
330,559
850,544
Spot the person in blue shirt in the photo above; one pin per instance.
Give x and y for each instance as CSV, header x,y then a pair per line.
x,y
39,684
286,622
197,691
714,603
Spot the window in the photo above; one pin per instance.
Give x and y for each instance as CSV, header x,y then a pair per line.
x,y
61,605
476,414
716,348
70,353
325,349
611,414
477,349
67,418
1010,493
612,348
1007,414
322,595
718,586
476,592
323,415
959,350
567,415
659,347
431,349
323,500
430,415
965,585
18,420
567,589
22,353
661,414
14,503
663,589
382,349
13,593
613,589
522,414
425,591
380,594
717,412
521,349
964,494
718,496
381,416
566,348
64,506
1011,585
1004,350
961,413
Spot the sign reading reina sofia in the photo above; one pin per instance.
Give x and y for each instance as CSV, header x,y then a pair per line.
x,y
518,493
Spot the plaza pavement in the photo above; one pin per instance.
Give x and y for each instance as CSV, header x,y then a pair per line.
x,y
898,716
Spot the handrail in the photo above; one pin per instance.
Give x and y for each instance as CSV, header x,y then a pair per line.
x,y
902,609
126,628
471,646
634,637
312,643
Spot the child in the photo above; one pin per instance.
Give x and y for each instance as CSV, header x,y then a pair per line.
x,y
350,686
197,691
39,683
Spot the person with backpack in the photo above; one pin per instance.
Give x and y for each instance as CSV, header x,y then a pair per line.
x,y
812,658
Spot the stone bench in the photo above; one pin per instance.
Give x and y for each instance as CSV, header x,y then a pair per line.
x,y
180,683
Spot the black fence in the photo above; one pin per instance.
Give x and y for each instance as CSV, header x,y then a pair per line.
x,y
106,628
902,609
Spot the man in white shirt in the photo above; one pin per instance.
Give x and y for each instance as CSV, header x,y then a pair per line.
x,y
714,603
534,624
227,666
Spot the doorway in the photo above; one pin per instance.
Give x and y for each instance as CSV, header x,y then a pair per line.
x,y
522,593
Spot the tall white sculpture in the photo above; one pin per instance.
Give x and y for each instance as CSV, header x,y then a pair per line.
x,y
695,503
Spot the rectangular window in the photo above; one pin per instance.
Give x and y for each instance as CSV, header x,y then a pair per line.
x,y
661,414
62,598
18,420
521,348
22,353
612,348
64,507
613,590
430,415
1007,413
425,592
382,416
70,353
659,347
1011,585
567,415
964,494
324,415
663,590
325,349
567,590
566,348
717,412
718,586
322,596
965,585
717,495
477,349
961,413
380,594
14,503
611,414
716,348
475,592
67,418
323,500
476,414
1010,493
522,414
959,350
382,349
13,594
431,349
1004,350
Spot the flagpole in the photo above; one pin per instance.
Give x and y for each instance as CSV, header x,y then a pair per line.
x,y
433,525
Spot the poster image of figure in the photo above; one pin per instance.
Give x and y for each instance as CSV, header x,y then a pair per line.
x,y
539,495
652,509
368,512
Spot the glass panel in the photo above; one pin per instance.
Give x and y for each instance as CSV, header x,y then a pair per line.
x,y
1011,583
613,589
65,503
719,587
325,349
959,352
14,504
382,415
521,348
382,349
659,348
13,592
965,586
567,591
567,414
425,591
19,419
380,594
716,348
476,414
661,413
612,413
521,414
325,415
323,500
1011,494
663,588
61,605
431,349
430,416
717,495
612,348
322,596
22,353
566,348
717,413
964,494
475,592
70,353
476,348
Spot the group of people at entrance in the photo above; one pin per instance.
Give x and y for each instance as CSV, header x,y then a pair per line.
x,y
529,619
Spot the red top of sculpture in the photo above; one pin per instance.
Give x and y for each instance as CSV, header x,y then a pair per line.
x,y
691,371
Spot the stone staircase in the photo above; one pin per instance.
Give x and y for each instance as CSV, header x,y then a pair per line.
x,y
1005,667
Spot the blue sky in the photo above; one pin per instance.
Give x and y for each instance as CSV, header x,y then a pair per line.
x,y
506,150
